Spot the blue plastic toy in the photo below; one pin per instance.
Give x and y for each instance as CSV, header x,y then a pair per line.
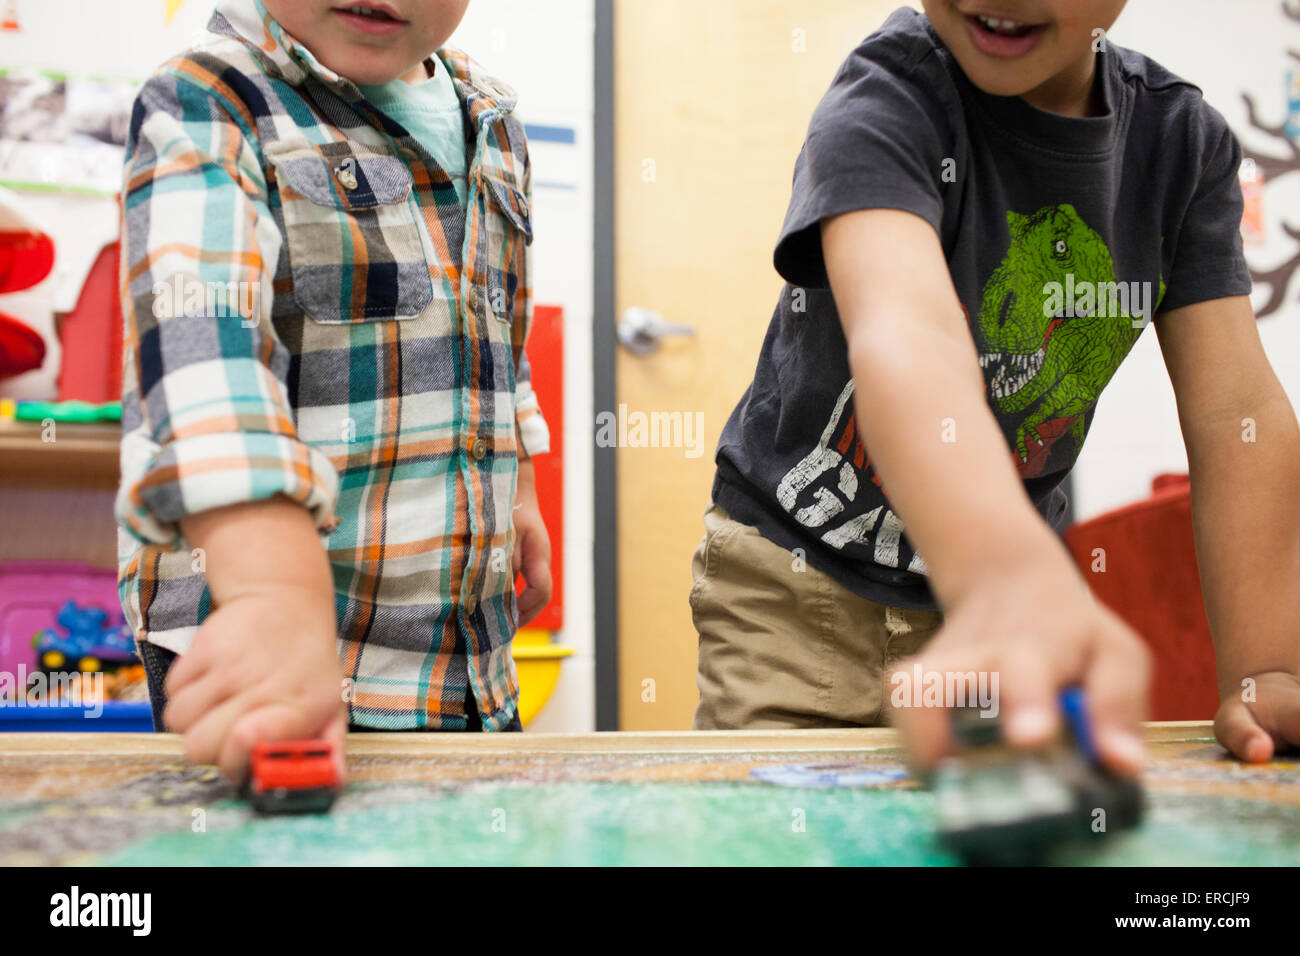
x,y
89,643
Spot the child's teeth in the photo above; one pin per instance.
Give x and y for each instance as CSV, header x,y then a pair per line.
x,y
1005,26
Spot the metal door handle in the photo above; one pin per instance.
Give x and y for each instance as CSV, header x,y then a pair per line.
x,y
641,331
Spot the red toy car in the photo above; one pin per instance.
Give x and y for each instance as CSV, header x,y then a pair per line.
x,y
294,776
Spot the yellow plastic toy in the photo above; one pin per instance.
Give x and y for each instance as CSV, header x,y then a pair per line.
x,y
538,662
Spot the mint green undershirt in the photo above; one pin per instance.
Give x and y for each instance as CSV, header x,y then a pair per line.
x,y
432,113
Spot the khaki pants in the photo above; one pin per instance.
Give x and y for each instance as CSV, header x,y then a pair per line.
x,y
782,645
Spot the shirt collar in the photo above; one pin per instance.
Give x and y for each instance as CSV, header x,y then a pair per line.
x,y
249,21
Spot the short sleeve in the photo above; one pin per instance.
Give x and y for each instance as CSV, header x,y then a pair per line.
x,y
1207,258
876,141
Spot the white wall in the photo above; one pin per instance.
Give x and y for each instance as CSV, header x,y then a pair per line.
x,y
1224,47
545,51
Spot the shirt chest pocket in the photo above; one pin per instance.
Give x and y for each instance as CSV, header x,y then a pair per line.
x,y
354,241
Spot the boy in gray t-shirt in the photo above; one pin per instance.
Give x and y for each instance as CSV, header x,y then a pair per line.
x,y
986,214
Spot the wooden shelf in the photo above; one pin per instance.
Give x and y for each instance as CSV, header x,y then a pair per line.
x,y
81,456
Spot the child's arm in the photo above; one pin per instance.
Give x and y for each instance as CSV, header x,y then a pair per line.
x,y
1243,448
263,666
211,451
1014,601
532,556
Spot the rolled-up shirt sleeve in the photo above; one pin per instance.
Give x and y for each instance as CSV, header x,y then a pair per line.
x,y
534,433
206,417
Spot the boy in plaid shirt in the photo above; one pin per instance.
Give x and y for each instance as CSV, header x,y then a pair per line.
x,y
327,415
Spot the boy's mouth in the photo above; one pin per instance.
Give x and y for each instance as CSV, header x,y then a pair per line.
x,y
1001,37
376,19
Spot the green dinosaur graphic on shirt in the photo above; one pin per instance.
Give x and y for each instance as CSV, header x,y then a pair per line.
x,y
1056,324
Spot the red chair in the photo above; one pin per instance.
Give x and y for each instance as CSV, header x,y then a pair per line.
x,y
1151,581
91,336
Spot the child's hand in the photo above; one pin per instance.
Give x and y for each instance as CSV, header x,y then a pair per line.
x,y
1255,730
262,667
1039,630
532,556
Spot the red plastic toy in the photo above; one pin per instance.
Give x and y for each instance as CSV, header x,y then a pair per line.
x,y
21,347
294,776
26,258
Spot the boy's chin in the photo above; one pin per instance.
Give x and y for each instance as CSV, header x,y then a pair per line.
x,y
1002,83
366,69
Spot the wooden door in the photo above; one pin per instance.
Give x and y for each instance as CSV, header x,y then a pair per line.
x,y
712,100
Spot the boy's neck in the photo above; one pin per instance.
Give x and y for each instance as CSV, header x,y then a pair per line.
x,y
417,74
1073,92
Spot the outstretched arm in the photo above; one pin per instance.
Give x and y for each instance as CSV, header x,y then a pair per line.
x,y
1015,604
1243,448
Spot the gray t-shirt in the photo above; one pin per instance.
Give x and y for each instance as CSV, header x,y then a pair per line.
x,y
1061,234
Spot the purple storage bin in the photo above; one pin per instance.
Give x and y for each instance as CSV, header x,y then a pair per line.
x,y
31,593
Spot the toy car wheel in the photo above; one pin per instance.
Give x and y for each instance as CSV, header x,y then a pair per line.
x,y
89,665
53,659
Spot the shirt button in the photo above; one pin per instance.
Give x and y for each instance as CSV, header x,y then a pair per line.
x,y
479,450
346,172
473,300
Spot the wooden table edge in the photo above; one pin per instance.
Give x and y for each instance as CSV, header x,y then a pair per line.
x,y
629,742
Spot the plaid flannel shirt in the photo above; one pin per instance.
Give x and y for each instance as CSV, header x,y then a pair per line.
x,y
311,312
